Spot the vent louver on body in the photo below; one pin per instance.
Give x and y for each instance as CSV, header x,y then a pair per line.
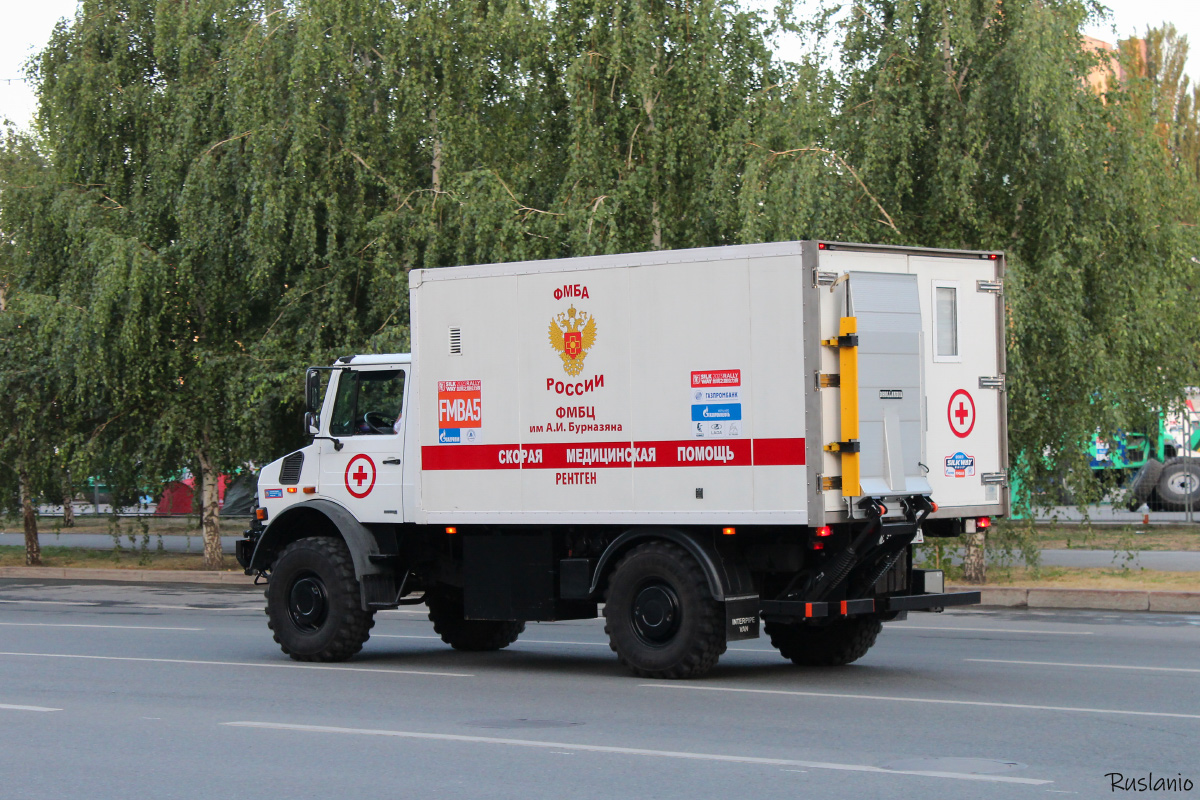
x,y
456,341
289,473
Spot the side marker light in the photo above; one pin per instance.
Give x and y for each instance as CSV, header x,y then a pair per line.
x,y
291,490
310,490
729,531
983,522
451,530
824,530
260,513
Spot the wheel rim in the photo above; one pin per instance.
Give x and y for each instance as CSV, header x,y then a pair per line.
x,y
308,603
655,614
1185,483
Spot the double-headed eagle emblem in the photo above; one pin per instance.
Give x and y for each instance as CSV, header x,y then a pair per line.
x,y
572,334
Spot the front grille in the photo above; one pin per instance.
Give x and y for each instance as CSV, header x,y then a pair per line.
x,y
289,473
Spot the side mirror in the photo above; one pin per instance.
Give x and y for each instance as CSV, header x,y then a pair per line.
x,y
312,390
311,425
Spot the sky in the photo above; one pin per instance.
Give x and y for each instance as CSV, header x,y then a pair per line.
x,y
27,27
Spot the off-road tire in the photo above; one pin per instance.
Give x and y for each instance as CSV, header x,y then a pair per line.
x,y
1175,497
695,634
832,645
1143,483
322,564
476,635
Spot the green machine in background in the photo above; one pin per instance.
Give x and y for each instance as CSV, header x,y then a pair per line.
x,y
1158,467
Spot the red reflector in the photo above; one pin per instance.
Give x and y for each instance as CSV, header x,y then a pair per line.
x,y
451,530
983,522
824,530
818,545
882,509
843,608
932,503
260,513
808,609
729,531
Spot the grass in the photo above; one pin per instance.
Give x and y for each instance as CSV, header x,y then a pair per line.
x,y
1092,578
126,558
1062,536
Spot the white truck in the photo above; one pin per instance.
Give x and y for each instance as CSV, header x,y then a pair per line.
x,y
698,439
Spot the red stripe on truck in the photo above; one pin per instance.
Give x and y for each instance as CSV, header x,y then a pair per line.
x,y
593,455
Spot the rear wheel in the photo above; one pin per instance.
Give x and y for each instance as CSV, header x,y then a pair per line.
x,y
660,616
314,604
832,645
449,622
1179,484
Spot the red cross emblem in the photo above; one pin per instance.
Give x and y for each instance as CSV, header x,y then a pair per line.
x,y
961,413
360,475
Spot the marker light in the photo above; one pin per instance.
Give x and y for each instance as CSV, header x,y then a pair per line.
x,y
932,503
260,513
822,246
824,530
882,509
291,490
451,530
310,490
729,531
983,522
818,545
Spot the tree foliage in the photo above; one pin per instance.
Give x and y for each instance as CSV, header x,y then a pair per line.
x,y
220,191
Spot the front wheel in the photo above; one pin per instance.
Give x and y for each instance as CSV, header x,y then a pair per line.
x,y
831,645
313,602
660,616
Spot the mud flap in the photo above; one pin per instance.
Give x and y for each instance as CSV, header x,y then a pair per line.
x,y
741,617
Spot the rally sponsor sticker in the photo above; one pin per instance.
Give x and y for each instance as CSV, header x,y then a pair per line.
x,y
960,465
274,493
460,411
716,404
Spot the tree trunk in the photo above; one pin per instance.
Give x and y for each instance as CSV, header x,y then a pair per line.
x,y
33,550
68,493
974,568
210,520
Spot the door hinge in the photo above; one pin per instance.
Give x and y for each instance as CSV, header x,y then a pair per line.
x,y
991,382
824,278
998,478
827,380
829,484
992,287
851,446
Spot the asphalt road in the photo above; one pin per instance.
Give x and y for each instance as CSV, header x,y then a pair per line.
x,y
115,691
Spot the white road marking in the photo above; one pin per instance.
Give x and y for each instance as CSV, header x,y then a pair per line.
x,y
631,751
80,625
191,608
1084,666
930,700
51,602
949,629
327,667
27,708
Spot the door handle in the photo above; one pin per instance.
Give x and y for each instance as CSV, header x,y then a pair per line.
x,y
391,461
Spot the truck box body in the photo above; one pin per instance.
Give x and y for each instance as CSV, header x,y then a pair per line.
x,y
685,386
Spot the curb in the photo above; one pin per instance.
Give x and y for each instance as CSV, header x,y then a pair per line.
x,y
129,575
1101,599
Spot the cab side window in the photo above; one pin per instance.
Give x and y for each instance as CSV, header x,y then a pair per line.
x,y
368,403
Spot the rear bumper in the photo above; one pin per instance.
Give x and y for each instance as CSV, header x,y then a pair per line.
x,y
848,608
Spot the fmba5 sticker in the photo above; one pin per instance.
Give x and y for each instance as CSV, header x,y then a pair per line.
x,y
960,465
